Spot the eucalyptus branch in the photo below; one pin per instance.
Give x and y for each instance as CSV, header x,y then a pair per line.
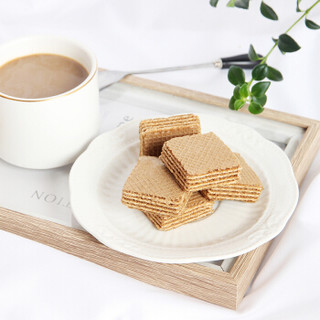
x,y
255,96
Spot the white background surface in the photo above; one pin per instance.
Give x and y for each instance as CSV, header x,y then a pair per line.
x,y
38,282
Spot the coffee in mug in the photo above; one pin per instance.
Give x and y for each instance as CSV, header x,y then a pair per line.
x,y
40,76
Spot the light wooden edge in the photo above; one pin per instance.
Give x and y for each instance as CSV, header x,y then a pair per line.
x,y
194,280
214,100
222,288
306,151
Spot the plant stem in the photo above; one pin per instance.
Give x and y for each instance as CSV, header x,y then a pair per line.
x,y
264,60
306,12
268,54
264,87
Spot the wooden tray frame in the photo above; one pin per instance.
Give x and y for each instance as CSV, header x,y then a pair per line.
x,y
219,287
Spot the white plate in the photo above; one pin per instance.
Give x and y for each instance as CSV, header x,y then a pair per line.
x,y
98,175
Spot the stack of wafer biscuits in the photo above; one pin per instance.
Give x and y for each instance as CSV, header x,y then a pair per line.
x,y
181,172
200,161
197,208
154,132
248,188
152,188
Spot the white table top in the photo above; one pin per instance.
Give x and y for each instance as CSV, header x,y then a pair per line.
x,y
38,282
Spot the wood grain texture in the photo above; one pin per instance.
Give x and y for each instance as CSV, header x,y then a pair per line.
x,y
216,101
306,151
194,280
222,288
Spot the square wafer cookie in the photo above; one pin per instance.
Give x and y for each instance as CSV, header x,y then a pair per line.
x,y
248,188
197,208
151,187
154,132
200,161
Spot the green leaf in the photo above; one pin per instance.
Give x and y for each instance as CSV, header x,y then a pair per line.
x,y
261,100
214,3
244,90
260,71
311,25
236,92
298,6
243,4
260,88
252,54
231,103
287,44
274,74
268,12
255,108
236,75
276,41
238,104
231,3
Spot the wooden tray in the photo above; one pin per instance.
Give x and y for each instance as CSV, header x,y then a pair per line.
x,y
224,282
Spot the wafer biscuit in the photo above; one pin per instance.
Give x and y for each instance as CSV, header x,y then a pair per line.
x,y
197,207
151,187
154,132
248,188
200,161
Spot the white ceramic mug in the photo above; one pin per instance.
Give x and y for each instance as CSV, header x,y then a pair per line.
x,y
49,132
